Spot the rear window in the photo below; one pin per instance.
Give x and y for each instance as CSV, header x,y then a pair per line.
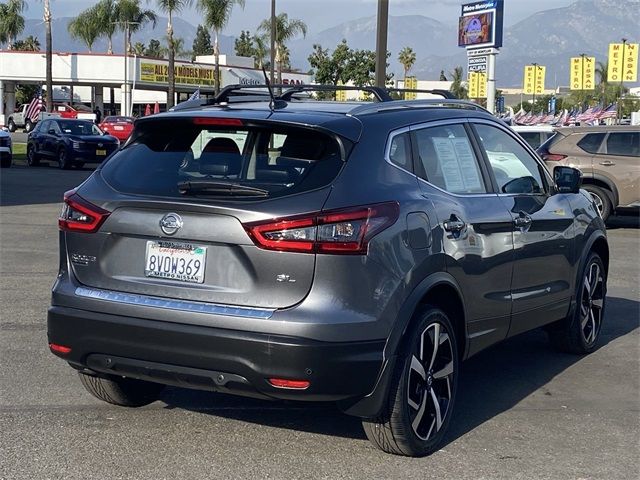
x,y
118,120
178,158
591,142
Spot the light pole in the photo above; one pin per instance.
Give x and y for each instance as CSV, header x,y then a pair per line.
x,y
273,40
381,43
49,56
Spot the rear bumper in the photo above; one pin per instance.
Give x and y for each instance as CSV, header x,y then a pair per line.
x,y
215,359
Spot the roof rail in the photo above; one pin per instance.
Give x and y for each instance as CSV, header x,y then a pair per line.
x,y
435,91
380,94
433,103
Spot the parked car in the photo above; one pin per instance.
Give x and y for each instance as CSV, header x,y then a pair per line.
x,y
77,111
69,142
19,119
322,251
6,153
609,158
534,135
118,126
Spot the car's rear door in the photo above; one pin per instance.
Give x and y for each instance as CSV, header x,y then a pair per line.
x,y
476,229
542,226
619,161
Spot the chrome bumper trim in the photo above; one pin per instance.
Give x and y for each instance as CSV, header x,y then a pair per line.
x,y
181,305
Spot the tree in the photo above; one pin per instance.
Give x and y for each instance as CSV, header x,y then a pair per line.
x,y
457,87
201,43
244,44
130,13
170,7
29,44
260,52
85,27
154,49
11,20
216,16
407,57
139,49
285,30
443,77
106,12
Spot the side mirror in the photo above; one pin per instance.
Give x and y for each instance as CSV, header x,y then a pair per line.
x,y
567,179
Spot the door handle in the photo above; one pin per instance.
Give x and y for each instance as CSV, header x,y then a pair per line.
x,y
454,224
607,163
522,220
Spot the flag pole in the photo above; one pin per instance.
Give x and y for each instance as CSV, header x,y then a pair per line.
x,y
619,111
535,73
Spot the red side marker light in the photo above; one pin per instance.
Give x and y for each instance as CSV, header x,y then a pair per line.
x,y
291,384
61,349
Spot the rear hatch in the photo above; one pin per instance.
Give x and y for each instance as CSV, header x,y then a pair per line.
x,y
169,214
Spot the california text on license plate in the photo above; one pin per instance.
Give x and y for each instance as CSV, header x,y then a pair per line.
x,y
175,261
101,152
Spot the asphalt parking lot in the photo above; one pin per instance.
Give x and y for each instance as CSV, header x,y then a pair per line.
x,y
523,411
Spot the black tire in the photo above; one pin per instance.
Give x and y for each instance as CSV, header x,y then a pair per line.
x,y
63,159
602,199
33,159
420,383
124,392
28,126
11,125
580,331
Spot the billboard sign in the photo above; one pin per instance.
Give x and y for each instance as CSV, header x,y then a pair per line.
x,y
480,24
478,64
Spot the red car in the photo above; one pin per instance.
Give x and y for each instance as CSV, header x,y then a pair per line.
x,y
118,126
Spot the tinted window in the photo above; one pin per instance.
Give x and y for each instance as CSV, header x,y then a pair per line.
x,y
515,170
447,159
400,151
532,138
43,126
590,143
278,160
624,143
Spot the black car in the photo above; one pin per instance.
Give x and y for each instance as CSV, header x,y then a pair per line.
x,y
322,251
69,142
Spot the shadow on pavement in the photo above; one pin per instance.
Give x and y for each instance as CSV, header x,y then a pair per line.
x,y
490,383
626,220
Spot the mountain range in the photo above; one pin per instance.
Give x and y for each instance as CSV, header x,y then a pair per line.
x,y
549,38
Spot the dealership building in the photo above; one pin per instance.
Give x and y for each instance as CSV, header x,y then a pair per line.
x,y
122,84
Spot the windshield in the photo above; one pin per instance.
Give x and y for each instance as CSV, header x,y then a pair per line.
x,y
179,158
79,128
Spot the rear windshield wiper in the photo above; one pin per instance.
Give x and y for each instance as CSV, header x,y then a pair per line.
x,y
208,187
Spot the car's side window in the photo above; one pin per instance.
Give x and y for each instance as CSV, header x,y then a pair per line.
x,y
55,127
624,143
516,171
44,126
400,151
590,143
446,159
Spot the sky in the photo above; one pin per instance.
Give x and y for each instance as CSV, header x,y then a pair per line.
x,y
320,14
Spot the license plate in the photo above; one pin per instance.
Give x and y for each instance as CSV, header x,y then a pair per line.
x,y
101,152
175,261
118,128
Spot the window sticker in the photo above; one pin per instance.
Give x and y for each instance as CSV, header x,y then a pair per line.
x,y
457,164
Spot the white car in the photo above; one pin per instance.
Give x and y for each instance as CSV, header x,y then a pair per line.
x,y
6,154
534,135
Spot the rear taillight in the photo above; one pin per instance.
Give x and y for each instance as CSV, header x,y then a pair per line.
x,y
346,231
553,157
78,215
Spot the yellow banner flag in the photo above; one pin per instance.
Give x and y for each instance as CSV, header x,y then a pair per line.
x,y
623,62
582,73
539,79
410,83
528,86
477,85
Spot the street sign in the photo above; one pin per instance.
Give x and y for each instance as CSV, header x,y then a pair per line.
x,y
623,62
482,51
478,64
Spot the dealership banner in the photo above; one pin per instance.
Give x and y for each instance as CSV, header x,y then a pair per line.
x,y
184,74
583,72
623,62
534,79
477,85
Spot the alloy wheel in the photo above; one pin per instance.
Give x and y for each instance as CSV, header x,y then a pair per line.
x,y
591,303
598,201
430,381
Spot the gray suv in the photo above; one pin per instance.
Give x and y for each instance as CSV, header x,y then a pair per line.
x,y
322,251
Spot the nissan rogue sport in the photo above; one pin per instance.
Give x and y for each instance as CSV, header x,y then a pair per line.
x,y
305,250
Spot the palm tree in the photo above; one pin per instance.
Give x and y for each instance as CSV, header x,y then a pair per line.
x,y
260,51
29,44
130,13
602,69
11,20
285,30
139,48
106,12
170,7
457,88
407,57
48,55
216,16
85,27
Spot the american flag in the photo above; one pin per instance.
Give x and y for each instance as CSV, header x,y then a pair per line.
x,y
35,107
195,95
610,112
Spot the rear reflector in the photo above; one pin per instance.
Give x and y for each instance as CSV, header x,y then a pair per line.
x,y
345,231
222,122
78,215
553,157
292,384
61,349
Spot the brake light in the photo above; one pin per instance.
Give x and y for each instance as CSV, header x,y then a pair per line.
x,y
223,122
346,231
553,157
292,384
78,215
61,349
